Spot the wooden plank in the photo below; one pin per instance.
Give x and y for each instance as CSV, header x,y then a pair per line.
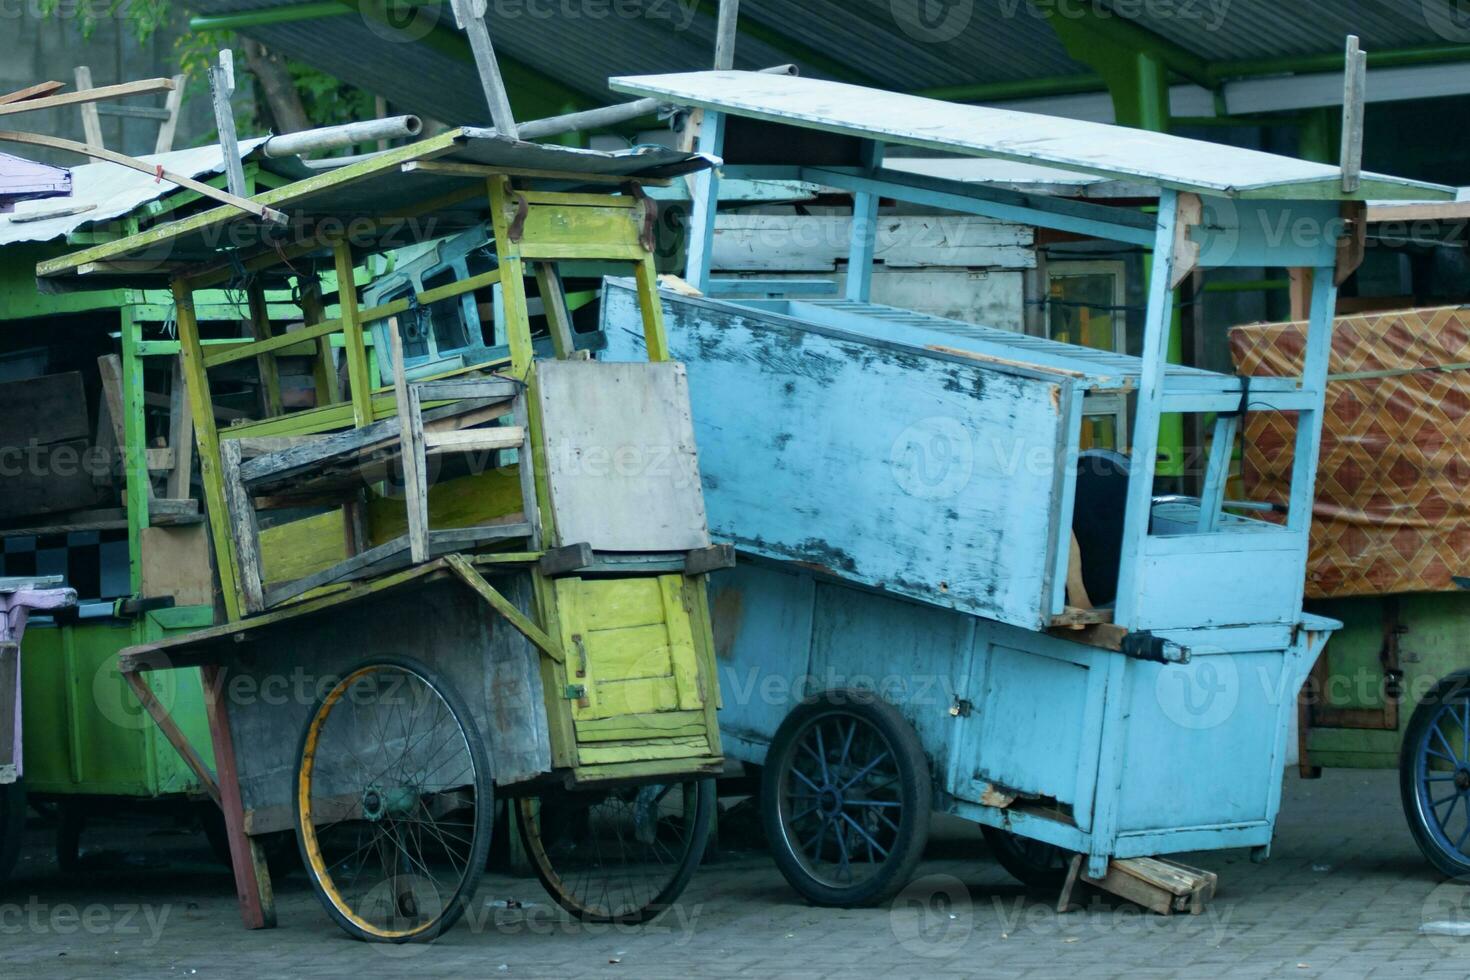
x,y
260,330
243,529
175,735
467,573
355,351
411,452
260,211
712,559
180,433
172,104
560,561
474,440
324,365
463,389
141,87
36,91
91,124
175,562
554,300
51,408
252,878
313,452
1354,98
389,556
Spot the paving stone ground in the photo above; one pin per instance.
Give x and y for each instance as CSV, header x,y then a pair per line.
x,y
1344,895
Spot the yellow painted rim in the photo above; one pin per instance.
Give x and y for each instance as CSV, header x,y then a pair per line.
x,y
314,856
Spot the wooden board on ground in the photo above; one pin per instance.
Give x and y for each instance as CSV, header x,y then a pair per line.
x,y
1159,885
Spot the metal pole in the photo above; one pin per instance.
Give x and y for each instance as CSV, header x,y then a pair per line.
x,y
347,134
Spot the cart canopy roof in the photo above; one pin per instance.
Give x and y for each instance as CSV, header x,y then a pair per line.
x,y
1114,152
384,202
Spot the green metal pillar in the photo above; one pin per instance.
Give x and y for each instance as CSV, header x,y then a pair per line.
x,y
1135,65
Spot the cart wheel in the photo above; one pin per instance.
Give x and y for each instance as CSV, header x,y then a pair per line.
x,y
622,854
1034,863
393,802
12,826
845,799
1434,775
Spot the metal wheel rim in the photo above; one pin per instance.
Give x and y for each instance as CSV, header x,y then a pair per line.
x,y
617,871
392,822
839,803
1442,776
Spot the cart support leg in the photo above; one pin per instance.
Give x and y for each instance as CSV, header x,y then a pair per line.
x,y
252,878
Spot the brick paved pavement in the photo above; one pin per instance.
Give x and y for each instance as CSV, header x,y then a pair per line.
x,y
1343,895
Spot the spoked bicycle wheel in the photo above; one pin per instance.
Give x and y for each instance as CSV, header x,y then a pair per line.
x,y
845,799
619,854
1434,775
1034,863
393,802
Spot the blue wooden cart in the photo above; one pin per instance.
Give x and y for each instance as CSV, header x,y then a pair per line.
x,y
946,602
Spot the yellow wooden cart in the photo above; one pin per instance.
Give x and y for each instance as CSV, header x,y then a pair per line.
x,y
434,591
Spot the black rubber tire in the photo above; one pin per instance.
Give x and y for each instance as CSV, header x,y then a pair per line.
x,y
914,791
12,827
1032,862
455,908
1452,689
701,824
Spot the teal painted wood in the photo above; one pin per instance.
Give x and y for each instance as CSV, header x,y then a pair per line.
x,y
941,478
1126,757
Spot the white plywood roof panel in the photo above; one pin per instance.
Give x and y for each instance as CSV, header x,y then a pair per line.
x,y
1114,152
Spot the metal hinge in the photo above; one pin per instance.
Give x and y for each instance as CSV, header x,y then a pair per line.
x,y
576,692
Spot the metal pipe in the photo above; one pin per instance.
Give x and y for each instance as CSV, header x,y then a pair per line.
x,y
347,134
611,115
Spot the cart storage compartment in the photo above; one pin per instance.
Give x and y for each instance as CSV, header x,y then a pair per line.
x,y
919,468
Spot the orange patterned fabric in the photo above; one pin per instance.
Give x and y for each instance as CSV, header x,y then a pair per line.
x,y
1392,509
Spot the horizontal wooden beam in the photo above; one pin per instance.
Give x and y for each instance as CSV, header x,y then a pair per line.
x,y
140,87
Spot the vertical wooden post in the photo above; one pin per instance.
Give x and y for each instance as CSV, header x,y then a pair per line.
x,y
558,317
654,335
864,230
171,104
356,351
207,437
260,329
727,31
503,207
1157,326
139,482
705,204
91,120
411,445
324,366
252,877
180,433
1314,379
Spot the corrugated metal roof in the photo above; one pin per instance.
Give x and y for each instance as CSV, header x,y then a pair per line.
x,y
110,191
20,178
1109,151
344,198
903,45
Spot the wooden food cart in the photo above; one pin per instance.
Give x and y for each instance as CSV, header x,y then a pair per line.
x,y
944,602
440,590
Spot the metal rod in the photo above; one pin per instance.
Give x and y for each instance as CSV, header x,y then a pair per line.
x,y
347,134
610,115
726,34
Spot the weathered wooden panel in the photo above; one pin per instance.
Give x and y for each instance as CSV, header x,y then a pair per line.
x,y
273,684
620,456
43,410
921,472
820,242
